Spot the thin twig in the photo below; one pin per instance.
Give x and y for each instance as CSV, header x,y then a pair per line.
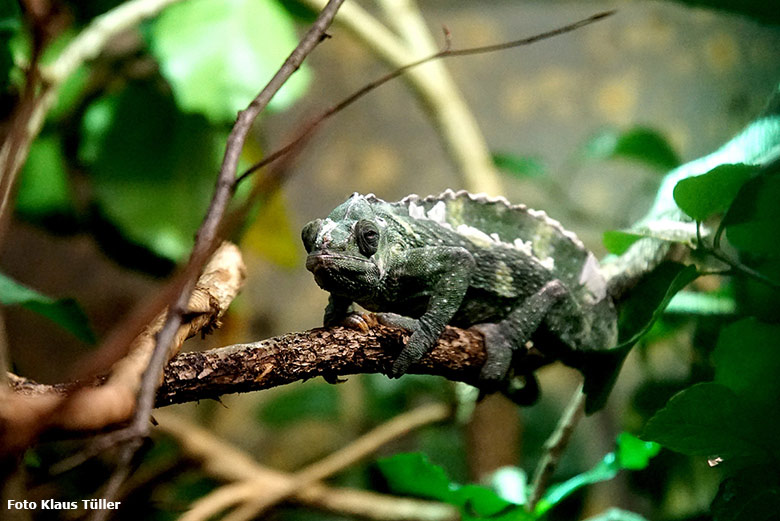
x,y
555,446
309,129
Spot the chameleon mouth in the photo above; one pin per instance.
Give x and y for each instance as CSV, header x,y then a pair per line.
x,y
318,260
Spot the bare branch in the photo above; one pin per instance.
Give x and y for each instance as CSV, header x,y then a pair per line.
x,y
327,352
252,503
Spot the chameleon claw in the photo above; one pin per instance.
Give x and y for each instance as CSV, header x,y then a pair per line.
x,y
359,321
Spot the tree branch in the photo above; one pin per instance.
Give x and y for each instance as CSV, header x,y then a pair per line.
x,y
328,352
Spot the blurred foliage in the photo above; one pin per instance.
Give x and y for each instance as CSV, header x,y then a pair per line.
x,y
215,54
63,312
639,144
413,474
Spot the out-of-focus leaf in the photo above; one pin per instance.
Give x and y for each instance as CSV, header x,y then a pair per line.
x,y
415,475
618,242
10,23
519,166
705,195
753,220
218,54
632,454
760,10
63,312
312,400
690,302
271,235
753,494
153,168
747,361
43,187
639,144
707,419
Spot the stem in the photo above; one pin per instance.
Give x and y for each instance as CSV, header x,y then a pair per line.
x,y
554,447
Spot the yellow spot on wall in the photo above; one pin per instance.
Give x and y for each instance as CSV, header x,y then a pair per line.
x,y
652,34
517,99
617,98
721,52
559,89
379,166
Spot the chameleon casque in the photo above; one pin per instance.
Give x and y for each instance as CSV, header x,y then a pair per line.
x,y
528,285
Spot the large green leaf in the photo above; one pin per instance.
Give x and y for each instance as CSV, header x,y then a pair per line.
x,y
753,221
63,312
705,195
707,419
218,54
152,168
747,361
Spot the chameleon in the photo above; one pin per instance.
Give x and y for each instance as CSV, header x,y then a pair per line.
x,y
531,287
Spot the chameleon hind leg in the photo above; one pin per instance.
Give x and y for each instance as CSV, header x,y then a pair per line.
x,y
503,339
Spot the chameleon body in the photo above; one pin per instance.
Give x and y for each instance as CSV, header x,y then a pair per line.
x,y
531,287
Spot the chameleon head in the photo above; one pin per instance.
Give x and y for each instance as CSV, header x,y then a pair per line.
x,y
341,249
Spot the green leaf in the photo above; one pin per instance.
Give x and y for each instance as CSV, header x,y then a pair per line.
x,y
632,454
639,144
43,187
707,419
705,195
519,166
647,301
618,242
312,400
415,475
747,361
752,220
63,312
751,495
218,54
152,168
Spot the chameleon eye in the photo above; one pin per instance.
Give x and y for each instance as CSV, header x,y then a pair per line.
x,y
367,236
